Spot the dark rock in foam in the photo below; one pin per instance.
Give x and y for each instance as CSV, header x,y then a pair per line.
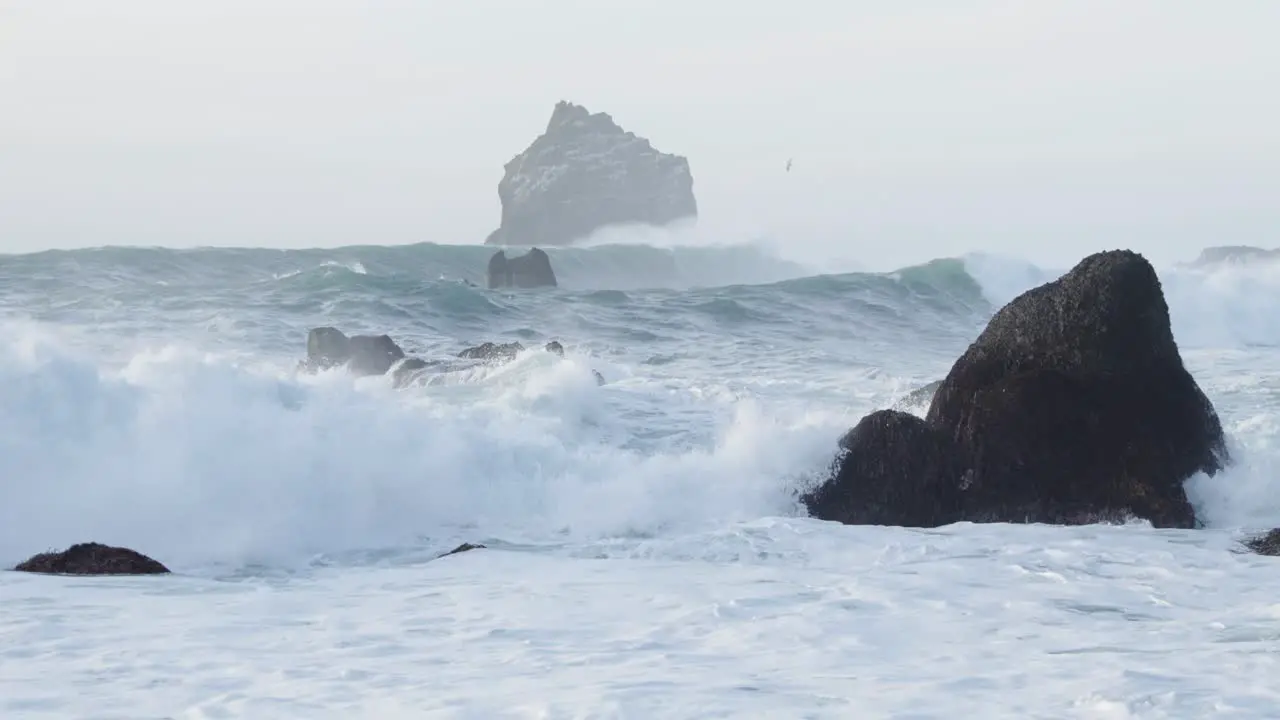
x,y
464,547
1266,544
376,354
329,347
1072,406
93,559
531,270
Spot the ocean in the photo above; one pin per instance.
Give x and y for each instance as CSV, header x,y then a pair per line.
x,y
646,555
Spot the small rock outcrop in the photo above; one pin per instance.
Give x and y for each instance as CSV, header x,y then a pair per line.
x,y
1072,406
464,547
531,270
505,352
1265,544
502,352
329,347
585,173
362,354
93,559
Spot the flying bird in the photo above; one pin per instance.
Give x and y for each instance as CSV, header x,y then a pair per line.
x,y
788,164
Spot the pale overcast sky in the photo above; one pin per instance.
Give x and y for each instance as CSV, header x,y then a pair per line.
x,y
919,128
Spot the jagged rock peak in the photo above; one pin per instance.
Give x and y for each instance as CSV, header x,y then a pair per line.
x,y
584,173
566,113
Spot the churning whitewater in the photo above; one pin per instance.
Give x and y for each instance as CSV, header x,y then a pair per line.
x,y
645,552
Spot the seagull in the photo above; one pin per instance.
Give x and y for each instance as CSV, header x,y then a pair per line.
x,y
788,164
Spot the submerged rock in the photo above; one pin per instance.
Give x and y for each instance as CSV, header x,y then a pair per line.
x,y
375,355
464,547
93,559
585,173
488,351
505,352
1072,406
410,369
531,270
329,347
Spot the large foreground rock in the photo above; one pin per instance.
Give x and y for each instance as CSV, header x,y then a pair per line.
x,y
584,173
93,559
531,270
1073,406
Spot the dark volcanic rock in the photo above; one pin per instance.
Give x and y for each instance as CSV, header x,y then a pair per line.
x,y
362,354
531,270
1055,447
894,469
93,559
584,173
1266,544
1072,406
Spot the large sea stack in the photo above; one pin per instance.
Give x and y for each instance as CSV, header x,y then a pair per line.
x,y
585,173
1073,406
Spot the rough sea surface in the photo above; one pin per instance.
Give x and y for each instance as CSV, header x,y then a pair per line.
x,y
646,555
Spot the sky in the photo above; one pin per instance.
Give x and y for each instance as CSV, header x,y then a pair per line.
x,y
1045,129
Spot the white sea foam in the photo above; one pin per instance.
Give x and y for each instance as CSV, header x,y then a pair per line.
x,y
212,461
646,557
771,618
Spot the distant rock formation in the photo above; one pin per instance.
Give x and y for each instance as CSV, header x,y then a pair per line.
x,y
531,270
362,354
1235,254
93,559
1073,406
585,173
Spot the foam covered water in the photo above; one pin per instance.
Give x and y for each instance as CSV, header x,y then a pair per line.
x,y
646,554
